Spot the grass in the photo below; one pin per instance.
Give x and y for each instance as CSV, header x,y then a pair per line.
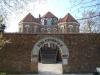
x,y
2,73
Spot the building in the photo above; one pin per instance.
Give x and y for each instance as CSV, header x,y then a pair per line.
x,y
55,40
80,53
49,23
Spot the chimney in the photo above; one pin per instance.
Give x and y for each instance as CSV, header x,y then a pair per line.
x,y
39,16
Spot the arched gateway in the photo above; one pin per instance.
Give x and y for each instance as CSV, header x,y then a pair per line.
x,y
50,40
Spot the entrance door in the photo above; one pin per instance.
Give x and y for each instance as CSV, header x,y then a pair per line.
x,y
49,54
50,51
50,60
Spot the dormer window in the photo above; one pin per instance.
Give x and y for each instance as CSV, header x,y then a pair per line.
x,y
45,22
49,21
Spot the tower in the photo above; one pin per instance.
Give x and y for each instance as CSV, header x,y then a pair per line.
x,y
49,23
68,24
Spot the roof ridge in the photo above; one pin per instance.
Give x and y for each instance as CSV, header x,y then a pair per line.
x,y
68,18
28,17
49,15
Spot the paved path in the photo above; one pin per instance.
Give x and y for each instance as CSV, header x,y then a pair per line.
x,y
50,69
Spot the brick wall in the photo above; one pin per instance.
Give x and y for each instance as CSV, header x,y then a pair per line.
x,y
84,52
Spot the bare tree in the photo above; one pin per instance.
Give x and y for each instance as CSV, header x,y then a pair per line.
x,y
90,22
10,8
1,19
90,19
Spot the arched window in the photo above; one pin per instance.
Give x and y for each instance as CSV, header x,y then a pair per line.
x,y
45,22
27,27
20,28
70,28
49,21
62,28
49,30
42,21
77,28
35,29
54,29
42,29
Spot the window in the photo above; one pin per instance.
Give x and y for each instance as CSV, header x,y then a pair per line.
x,y
42,21
62,28
55,29
70,28
49,21
27,28
42,29
20,29
35,28
77,28
49,30
45,22
54,21
98,69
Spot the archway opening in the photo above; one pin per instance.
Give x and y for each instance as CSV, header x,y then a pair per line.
x,y
50,59
50,53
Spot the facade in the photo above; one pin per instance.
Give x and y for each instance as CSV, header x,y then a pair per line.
x,y
55,40
49,23
80,53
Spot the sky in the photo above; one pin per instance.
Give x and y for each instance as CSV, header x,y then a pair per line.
x,y
58,7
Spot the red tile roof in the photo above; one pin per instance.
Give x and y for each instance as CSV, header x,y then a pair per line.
x,y
49,15
29,18
68,18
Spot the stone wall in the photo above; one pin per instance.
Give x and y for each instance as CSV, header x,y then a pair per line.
x,y
84,52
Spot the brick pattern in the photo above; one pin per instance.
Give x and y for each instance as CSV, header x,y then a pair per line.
x,y
84,52
48,23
